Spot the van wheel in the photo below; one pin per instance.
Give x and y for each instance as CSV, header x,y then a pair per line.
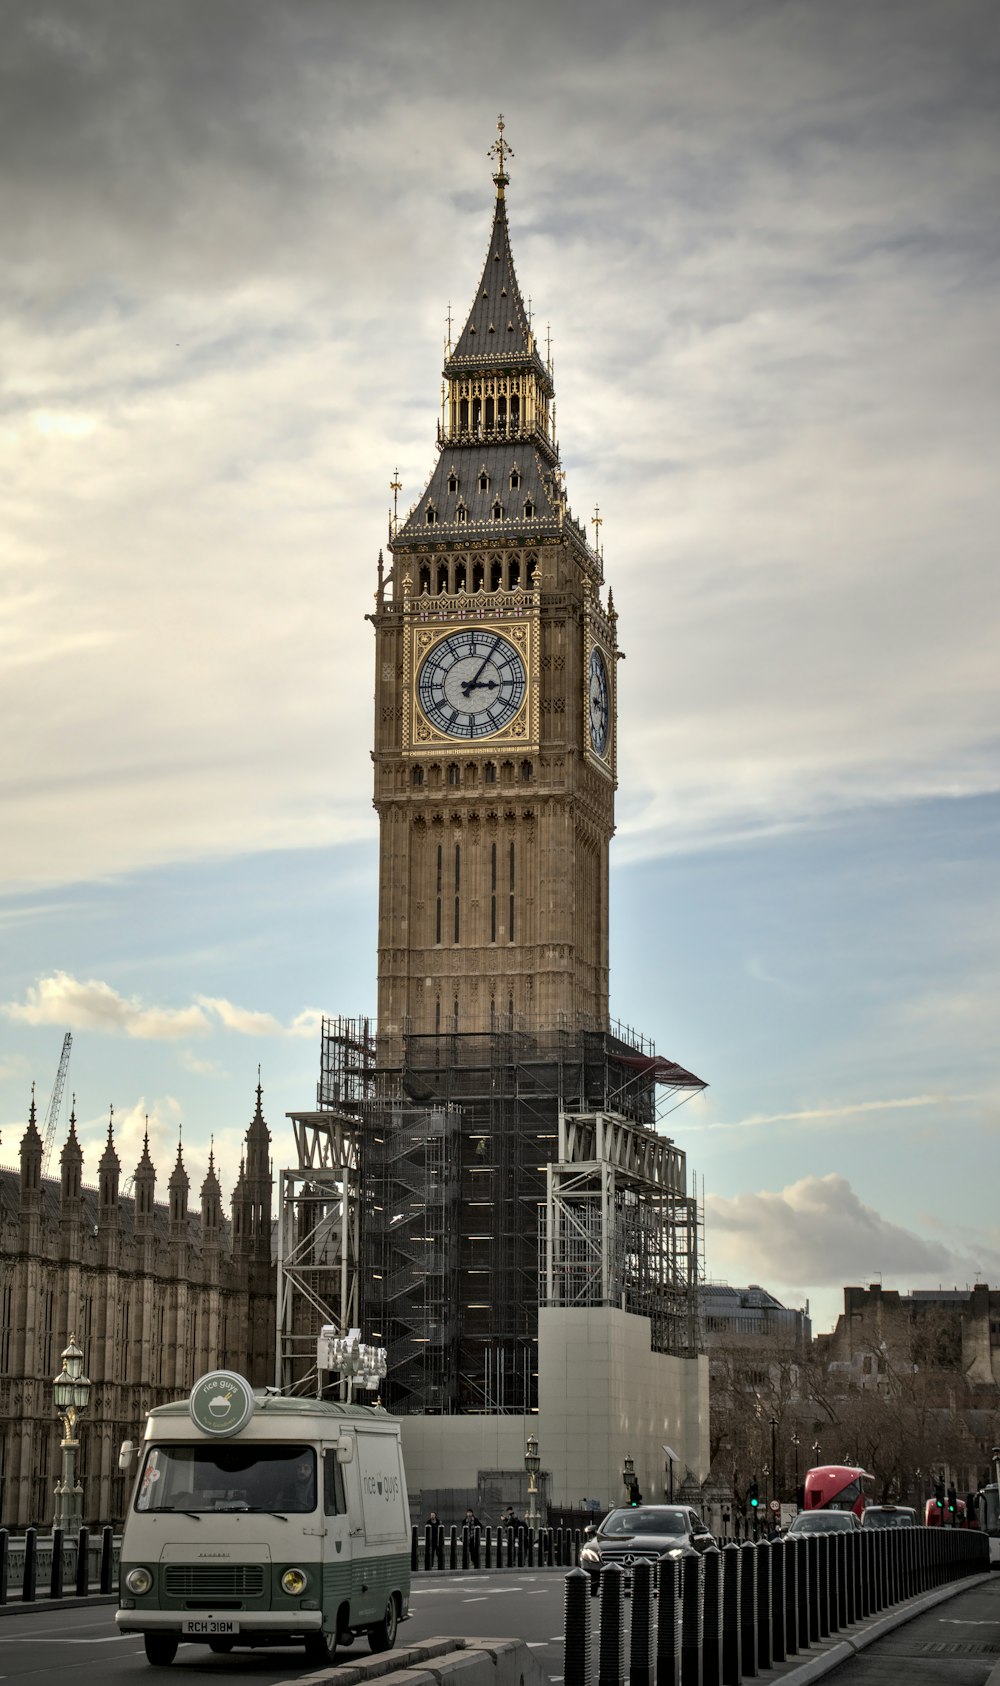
x,y
382,1637
161,1648
321,1648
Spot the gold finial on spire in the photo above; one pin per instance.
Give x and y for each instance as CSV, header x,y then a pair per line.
x,y
395,487
598,524
500,150
447,343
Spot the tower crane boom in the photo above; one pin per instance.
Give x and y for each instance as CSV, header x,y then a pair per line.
x,y
55,1104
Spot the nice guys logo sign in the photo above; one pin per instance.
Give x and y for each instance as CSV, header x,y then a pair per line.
x,y
383,1485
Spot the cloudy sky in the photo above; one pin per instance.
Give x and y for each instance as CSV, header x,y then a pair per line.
x,y
765,236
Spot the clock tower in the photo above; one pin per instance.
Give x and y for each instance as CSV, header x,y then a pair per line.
x,y
495,689
455,1124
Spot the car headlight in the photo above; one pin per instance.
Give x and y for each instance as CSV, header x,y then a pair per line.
x,y
138,1580
294,1581
676,1551
590,1554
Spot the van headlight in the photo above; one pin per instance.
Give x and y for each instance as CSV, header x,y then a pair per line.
x,y
138,1580
294,1581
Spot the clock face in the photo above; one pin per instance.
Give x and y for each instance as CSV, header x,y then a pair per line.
x,y
472,683
598,702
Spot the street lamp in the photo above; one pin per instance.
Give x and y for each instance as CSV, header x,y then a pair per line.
x,y
70,1393
774,1457
795,1444
532,1463
816,1450
628,1476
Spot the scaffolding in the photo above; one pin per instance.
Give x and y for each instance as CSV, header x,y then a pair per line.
x,y
414,1209
618,1228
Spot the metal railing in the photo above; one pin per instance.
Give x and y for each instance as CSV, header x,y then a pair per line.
x,y
487,1548
724,1616
63,1567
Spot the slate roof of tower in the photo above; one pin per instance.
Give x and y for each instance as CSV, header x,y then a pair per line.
x,y
497,331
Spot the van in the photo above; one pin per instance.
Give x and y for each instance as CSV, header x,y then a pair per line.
x,y
260,1520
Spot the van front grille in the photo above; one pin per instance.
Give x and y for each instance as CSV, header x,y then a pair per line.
x,y
218,1580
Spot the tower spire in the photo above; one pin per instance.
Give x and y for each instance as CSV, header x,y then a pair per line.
x,y
500,150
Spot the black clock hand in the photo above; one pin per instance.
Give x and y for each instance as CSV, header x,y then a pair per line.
x,y
471,684
480,685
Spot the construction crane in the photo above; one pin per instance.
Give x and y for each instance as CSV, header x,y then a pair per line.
x,y
55,1104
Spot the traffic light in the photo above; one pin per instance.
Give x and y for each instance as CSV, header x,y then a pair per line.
x,y
952,1503
754,1496
635,1497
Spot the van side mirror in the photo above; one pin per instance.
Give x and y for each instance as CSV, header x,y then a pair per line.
x,y
345,1449
126,1454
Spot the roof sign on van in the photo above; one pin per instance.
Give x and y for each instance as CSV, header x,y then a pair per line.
x,y
221,1403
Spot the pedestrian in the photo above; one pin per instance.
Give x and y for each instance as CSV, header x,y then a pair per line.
x,y
433,1521
471,1520
508,1519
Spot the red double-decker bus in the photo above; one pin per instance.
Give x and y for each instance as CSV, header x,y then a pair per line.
x,y
836,1487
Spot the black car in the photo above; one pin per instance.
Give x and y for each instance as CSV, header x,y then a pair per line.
x,y
889,1516
640,1533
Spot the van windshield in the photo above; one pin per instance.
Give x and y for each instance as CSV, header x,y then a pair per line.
x,y
226,1476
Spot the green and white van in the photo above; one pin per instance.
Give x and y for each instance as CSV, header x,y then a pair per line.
x,y
261,1520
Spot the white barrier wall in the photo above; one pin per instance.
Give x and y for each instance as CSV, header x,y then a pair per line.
x,y
602,1395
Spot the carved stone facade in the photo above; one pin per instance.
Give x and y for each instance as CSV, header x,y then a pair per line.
x,y
156,1294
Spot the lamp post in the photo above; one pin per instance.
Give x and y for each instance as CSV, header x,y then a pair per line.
x,y
816,1451
795,1445
70,1393
532,1463
774,1457
628,1477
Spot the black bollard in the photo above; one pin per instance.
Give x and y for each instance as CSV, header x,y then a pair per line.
x,y
732,1638
802,1580
748,1607
453,1548
414,1536
711,1662
764,1657
530,1547
668,1628
692,1611
611,1631
812,1584
520,1548
465,1546
4,1538
641,1638
833,1572
488,1548
30,1565
56,1575
823,1583
864,1540
576,1630
791,1566
475,1544
83,1562
107,1559
776,1556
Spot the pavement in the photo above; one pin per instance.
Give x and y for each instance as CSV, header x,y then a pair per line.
x,y
842,1648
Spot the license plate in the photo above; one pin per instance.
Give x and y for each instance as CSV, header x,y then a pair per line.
x,y
210,1626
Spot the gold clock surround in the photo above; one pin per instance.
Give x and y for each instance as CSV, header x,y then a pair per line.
x,y
513,614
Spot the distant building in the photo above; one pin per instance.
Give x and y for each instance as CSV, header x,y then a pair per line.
x,y
752,1317
953,1330
154,1293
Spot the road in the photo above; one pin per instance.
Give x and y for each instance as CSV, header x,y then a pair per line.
x,y
82,1647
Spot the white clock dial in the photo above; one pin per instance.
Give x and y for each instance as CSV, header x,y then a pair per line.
x,y
598,702
472,683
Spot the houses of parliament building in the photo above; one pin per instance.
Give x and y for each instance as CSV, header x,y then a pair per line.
x,y
155,1292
